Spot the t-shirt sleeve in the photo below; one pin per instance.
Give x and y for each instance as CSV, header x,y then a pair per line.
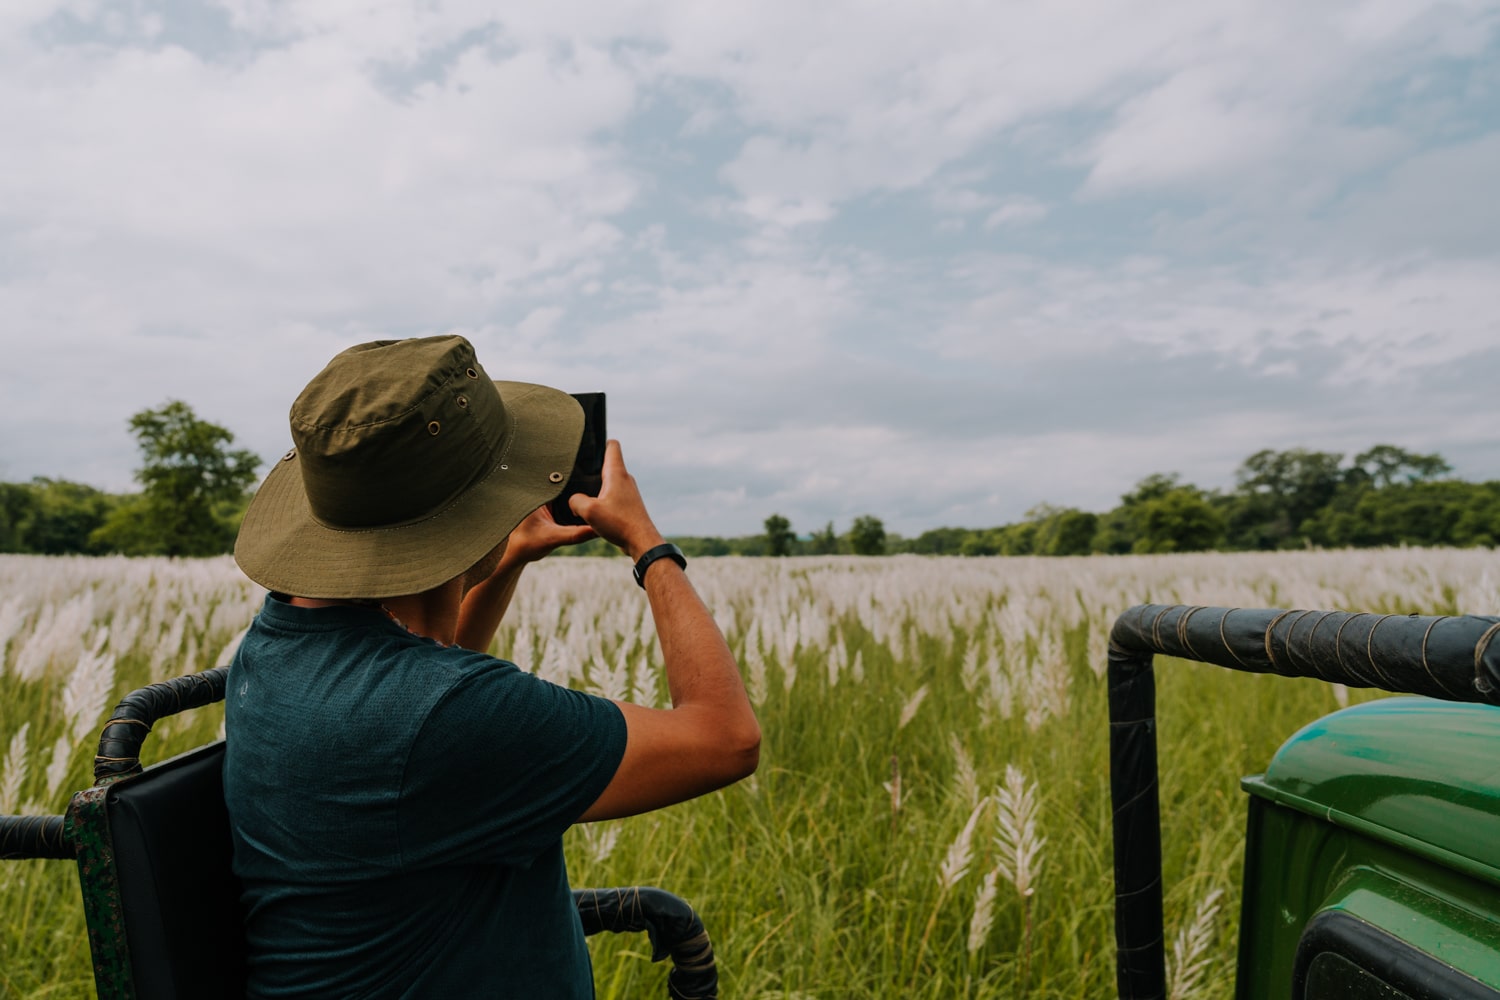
x,y
503,764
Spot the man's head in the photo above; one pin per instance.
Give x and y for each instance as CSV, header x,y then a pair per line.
x,y
409,466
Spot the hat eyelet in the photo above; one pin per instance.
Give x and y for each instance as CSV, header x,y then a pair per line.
x,y
463,402
472,373
289,455
504,467
433,428
554,477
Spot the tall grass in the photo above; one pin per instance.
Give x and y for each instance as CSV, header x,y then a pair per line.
x,y
931,817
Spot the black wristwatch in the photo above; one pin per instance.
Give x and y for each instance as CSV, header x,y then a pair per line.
x,y
666,550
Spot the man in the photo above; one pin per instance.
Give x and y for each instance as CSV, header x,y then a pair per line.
x,y
398,796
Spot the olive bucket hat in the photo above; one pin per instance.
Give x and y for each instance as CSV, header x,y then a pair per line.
x,y
409,465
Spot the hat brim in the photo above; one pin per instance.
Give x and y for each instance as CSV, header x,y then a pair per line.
x,y
284,548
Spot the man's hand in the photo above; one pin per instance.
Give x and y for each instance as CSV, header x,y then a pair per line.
x,y
618,513
539,534
489,585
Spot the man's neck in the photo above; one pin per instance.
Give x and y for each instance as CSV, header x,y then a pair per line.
x,y
432,613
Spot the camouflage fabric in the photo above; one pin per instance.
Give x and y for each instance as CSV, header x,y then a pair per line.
x,y
88,829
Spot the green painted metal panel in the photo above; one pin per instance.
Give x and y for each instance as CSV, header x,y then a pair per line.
x,y
1391,812
1418,773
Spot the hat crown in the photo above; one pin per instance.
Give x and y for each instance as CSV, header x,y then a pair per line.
x,y
394,431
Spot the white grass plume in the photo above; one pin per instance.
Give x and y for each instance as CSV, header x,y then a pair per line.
x,y
909,710
87,693
984,910
13,770
965,778
57,770
599,839
755,670
956,862
789,667
56,636
1190,950
612,682
1098,652
165,655
1018,842
969,673
643,683
12,613
893,787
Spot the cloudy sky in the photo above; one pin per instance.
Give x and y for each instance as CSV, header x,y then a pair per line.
x,y
934,261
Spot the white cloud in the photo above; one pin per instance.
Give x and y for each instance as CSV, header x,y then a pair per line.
x,y
1429,203
1016,212
767,230
1381,321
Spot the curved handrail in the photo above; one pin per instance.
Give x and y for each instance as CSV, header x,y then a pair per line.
x,y
675,931
1452,658
120,741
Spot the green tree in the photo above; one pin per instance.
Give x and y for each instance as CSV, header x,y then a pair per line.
x,y
192,483
66,517
1118,531
1387,465
779,536
867,536
823,541
1278,492
52,516
1015,539
1062,531
987,542
1180,520
1443,512
17,509
693,546
940,541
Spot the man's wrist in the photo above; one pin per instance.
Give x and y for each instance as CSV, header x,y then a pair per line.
x,y
665,552
639,548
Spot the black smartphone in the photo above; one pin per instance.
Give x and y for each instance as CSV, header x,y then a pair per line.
x,y
588,467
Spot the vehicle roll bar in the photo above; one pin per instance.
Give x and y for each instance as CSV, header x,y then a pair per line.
x,y
1447,657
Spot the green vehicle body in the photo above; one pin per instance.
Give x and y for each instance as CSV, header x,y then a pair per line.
x,y
1372,864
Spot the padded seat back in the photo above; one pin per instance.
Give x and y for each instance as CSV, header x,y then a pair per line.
x,y
178,902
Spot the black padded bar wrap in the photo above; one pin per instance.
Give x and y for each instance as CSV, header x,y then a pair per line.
x,y
672,925
33,837
120,742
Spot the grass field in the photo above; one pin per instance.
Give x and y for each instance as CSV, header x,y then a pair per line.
x,y
931,816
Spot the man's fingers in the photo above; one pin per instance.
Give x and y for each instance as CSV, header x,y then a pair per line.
x,y
614,460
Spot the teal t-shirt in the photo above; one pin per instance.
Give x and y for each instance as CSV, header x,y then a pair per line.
x,y
398,809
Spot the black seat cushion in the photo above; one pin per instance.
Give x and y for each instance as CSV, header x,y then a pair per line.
x,y
179,897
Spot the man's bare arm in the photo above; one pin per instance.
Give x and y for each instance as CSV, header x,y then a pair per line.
x,y
709,737
486,599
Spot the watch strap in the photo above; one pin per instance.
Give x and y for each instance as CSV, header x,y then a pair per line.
x,y
666,550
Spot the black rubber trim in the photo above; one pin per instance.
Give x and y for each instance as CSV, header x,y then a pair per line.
x,y
1396,963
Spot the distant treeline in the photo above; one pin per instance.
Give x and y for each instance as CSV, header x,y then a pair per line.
x,y
194,491
1281,500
